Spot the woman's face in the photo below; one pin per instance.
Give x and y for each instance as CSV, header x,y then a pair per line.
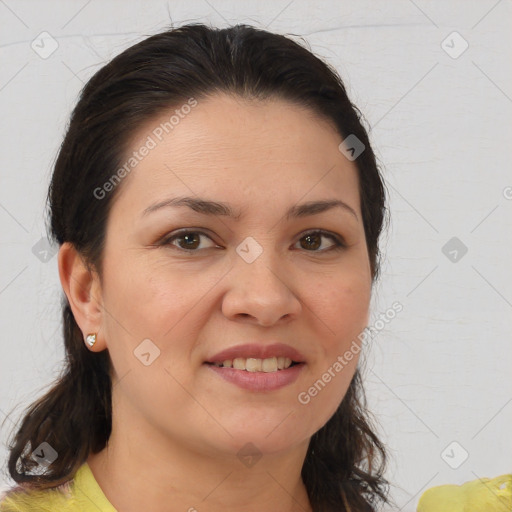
x,y
172,302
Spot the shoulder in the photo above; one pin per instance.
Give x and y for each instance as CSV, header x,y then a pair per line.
x,y
81,493
482,494
24,498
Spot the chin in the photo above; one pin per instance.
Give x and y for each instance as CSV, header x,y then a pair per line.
x,y
257,446
264,441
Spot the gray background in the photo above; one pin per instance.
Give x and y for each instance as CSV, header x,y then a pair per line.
x,y
439,372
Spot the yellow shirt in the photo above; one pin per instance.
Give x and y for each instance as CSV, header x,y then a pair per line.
x,y
481,495
79,494
83,494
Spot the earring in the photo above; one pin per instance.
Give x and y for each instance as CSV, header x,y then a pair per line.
x,y
91,339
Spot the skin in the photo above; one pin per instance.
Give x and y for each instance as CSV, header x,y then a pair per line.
x,y
177,426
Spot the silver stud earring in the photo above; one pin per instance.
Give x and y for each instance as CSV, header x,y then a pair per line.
x,y
91,339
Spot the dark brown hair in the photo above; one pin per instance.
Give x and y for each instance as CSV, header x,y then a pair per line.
x,y
345,462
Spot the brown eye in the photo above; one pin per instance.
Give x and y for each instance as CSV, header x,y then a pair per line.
x,y
190,240
313,240
186,240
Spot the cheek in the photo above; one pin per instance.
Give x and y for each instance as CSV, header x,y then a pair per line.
x,y
342,305
149,301
147,298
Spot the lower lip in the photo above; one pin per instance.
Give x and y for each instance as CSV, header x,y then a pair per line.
x,y
259,381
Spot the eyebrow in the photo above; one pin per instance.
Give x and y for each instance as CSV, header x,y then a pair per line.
x,y
215,208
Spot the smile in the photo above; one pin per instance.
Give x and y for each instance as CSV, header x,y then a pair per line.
x,y
251,364
257,380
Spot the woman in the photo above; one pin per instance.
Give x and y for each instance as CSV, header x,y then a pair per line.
x,y
218,207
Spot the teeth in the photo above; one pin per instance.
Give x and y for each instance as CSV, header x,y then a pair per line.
x,y
239,363
269,365
251,364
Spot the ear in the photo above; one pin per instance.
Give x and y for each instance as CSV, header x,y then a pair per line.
x,y
83,289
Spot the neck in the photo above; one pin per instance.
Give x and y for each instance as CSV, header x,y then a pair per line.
x,y
145,470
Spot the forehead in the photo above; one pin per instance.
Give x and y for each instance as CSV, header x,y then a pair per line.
x,y
237,147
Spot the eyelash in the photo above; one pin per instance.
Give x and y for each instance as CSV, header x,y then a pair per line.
x,y
339,243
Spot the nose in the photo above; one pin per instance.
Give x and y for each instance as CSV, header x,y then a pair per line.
x,y
262,292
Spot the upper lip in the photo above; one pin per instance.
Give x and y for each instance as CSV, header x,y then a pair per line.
x,y
257,351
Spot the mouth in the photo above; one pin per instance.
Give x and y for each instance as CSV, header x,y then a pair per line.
x,y
258,375
253,364
258,367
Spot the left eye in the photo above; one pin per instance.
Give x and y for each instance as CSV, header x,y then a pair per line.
x,y
314,238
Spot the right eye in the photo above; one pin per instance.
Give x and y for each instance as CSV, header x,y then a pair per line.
x,y
187,240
